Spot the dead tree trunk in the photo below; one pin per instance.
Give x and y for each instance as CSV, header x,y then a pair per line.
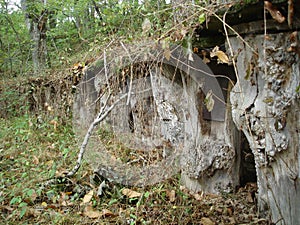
x,y
265,106
36,22
212,163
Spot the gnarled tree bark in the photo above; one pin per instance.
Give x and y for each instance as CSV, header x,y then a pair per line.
x,y
265,106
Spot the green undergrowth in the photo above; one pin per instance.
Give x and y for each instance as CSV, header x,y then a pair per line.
x,y
32,151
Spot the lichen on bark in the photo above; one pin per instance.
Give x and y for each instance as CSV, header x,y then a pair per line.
x,y
267,111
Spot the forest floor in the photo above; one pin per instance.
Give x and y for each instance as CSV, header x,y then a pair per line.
x,y
33,151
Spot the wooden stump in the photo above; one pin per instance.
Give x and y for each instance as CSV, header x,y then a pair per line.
x,y
265,106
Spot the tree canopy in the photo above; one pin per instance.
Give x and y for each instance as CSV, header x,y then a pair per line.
x,y
36,35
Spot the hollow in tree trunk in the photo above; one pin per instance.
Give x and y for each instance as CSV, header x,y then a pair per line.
x,y
265,106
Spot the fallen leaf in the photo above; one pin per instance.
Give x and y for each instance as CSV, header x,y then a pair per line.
x,y
35,160
222,57
33,212
61,172
91,213
249,197
229,211
183,189
184,31
294,47
106,213
209,101
77,66
171,195
6,208
64,203
49,108
204,54
268,37
52,206
88,197
206,221
177,36
130,193
232,220
251,185
212,196
198,197
146,26
101,188
8,157
167,53
33,196
205,60
89,61
293,36
54,123
275,13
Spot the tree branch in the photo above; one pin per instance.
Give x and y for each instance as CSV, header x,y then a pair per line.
x,y
104,111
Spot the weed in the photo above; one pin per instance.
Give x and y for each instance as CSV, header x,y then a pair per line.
x,y
32,152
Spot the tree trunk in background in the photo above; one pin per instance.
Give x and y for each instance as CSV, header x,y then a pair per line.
x,y
36,22
265,106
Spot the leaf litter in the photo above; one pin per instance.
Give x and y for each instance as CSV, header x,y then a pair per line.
x,y
75,200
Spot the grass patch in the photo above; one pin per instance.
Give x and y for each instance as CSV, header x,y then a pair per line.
x,y
31,152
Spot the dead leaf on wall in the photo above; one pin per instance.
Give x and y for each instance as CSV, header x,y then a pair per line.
x,y
167,53
205,59
209,101
275,13
222,57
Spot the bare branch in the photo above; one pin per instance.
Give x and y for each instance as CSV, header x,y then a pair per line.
x,y
104,111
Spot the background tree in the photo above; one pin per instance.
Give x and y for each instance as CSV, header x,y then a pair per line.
x,y
13,41
36,18
59,31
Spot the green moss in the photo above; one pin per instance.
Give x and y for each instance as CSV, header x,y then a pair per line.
x,y
248,72
269,100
